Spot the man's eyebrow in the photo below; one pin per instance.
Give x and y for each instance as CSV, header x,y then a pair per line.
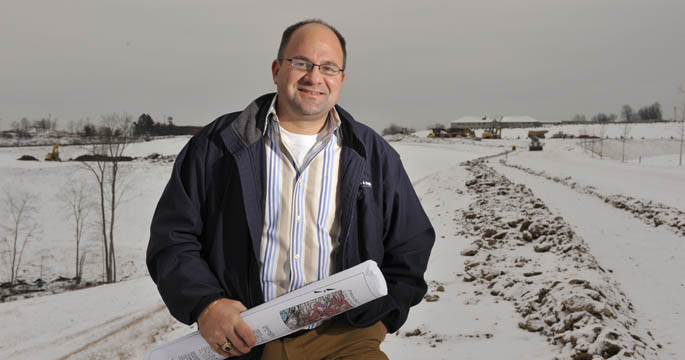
x,y
327,62
330,62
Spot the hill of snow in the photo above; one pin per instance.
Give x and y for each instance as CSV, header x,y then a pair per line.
x,y
481,304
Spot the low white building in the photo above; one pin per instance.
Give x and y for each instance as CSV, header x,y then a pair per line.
x,y
519,121
485,122
472,122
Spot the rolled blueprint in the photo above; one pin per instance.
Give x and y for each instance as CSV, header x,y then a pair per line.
x,y
291,312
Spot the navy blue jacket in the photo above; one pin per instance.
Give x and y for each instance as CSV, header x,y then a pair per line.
x,y
206,232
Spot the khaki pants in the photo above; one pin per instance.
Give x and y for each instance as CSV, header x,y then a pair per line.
x,y
332,340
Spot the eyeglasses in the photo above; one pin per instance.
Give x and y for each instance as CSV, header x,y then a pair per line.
x,y
305,65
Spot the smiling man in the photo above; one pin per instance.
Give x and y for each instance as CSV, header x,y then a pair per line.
x,y
283,193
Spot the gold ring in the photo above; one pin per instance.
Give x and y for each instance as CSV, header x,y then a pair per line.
x,y
227,345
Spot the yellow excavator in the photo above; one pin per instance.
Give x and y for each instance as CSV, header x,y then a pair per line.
x,y
492,133
54,155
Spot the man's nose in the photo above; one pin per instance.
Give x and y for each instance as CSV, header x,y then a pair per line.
x,y
314,75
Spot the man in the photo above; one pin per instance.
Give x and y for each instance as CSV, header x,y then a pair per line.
x,y
286,192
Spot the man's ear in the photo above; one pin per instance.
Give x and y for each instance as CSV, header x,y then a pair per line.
x,y
275,67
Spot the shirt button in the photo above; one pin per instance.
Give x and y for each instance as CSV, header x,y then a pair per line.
x,y
299,181
297,218
297,257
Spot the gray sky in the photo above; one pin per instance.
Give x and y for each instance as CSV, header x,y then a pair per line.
x,y
413,63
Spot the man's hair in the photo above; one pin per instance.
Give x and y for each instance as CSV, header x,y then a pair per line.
x,y
288,33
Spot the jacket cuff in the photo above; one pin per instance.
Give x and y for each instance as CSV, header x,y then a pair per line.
x,y
204,302
387,325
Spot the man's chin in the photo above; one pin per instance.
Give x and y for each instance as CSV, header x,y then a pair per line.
x,y
314,111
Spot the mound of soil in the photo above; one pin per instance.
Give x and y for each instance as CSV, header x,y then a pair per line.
x,y
102,158
27,158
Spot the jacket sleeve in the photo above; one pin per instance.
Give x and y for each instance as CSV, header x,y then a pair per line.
x,y
407,240
184,279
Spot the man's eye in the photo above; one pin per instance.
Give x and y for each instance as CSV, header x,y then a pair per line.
x,y
329,69
300,64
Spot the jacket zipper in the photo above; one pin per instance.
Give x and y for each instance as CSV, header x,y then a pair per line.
x,y
343,258
249,283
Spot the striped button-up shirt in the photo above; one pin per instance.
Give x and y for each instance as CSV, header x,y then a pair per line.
x,y
301,225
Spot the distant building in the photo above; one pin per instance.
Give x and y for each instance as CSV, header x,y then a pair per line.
x,y
472,122
486,122
519,122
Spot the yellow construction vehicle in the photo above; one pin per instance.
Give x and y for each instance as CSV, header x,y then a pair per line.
x,y
54,155
562,135
492,133
540,134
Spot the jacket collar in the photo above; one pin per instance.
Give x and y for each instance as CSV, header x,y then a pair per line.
x,y
248,128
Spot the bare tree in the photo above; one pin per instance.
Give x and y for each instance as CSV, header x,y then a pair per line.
x,y
681,130
625,131
627,113
75,200
579,118
22,227
602,135
107,153
681,126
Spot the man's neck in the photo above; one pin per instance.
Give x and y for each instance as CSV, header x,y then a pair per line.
x,y
302,127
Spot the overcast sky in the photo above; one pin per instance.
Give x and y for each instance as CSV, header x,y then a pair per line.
x,y
413,63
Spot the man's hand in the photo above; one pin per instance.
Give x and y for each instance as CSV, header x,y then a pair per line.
x,y
384,327
221,321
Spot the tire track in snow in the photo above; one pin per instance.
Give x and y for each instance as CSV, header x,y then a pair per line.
x,y
651,213
131,339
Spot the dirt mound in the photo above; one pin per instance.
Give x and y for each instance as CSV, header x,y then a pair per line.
x,y
525,254
156,157
27,158
102,158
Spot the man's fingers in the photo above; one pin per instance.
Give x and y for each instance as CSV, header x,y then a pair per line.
x,y
221,322
239,306
239,344
219,350
245,333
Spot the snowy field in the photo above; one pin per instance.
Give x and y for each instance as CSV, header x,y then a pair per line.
x,y
586,275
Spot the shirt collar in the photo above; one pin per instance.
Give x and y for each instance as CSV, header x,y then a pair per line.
x,y
332,122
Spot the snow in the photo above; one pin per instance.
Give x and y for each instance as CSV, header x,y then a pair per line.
x,y
664,130
630,260
565,158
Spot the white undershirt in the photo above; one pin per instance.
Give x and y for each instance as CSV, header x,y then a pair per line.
x,y
299,144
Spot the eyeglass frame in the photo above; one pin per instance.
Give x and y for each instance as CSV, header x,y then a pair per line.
x,y
311,67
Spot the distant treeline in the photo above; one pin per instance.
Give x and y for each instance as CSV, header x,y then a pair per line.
x,y
145,126
648,113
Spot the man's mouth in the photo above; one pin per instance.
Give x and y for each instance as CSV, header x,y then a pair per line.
x,y
311,92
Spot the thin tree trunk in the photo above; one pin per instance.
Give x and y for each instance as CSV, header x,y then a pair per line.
x,y
14,252
104,232
682,135
77,244
113,204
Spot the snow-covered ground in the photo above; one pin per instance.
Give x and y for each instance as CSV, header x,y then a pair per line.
x,y
666,130
50,253
473,312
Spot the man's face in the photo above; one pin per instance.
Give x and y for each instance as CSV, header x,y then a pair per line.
x,y
308,95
